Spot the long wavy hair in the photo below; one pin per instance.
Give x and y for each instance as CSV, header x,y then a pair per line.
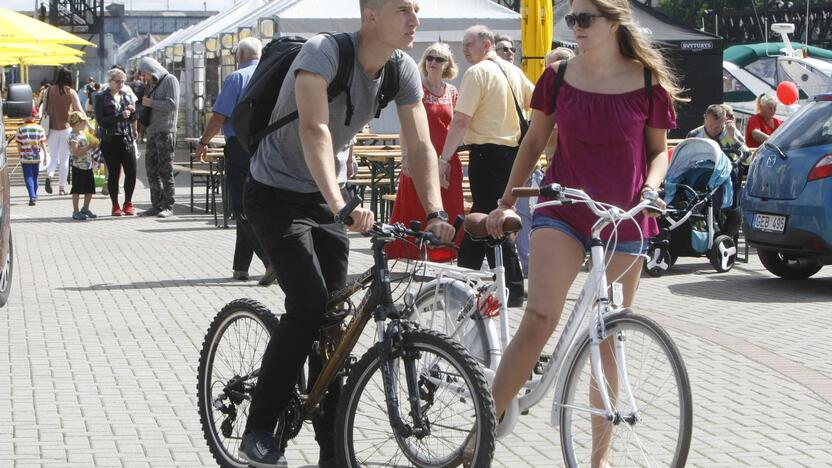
x,y
63,80
634,44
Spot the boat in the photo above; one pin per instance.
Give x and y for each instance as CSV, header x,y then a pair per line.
x,y
752,69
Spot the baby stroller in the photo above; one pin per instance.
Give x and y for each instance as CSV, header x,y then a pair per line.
x,y
703,216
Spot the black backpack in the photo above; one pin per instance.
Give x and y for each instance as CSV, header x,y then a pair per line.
x,y
252,113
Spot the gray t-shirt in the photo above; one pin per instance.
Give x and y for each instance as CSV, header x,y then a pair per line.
x,y
278,161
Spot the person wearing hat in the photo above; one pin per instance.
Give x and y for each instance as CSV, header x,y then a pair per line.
x,y
82,151
31,145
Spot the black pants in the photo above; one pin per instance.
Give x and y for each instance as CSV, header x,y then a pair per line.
x,y
237,168
489,167
311,251
118,152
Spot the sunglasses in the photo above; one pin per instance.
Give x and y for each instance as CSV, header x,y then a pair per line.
x,y
583,20
507,49
431,58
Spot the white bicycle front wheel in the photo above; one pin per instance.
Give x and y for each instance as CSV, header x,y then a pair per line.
x,y
654,413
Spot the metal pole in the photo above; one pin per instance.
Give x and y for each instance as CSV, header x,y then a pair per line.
x,y
101,51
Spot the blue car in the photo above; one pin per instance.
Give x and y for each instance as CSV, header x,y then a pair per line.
x,y
787,200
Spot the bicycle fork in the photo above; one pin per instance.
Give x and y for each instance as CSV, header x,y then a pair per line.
x,y
392,349
599,336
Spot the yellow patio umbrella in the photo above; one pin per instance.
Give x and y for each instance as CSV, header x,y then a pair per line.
x,y
18,28
30,49
536,32
42,60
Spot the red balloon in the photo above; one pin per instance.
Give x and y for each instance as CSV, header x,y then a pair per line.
x,y
787,92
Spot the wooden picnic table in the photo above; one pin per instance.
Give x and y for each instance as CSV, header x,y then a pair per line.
x,y
377,138
218,141
382,164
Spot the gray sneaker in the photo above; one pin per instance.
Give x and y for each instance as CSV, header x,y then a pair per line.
x,y
152,211
260,450
78,216
165,213
89,214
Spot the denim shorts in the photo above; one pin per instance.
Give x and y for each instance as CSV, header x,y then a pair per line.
x,y
627,247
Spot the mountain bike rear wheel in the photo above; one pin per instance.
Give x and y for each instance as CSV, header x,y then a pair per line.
x,y
233,347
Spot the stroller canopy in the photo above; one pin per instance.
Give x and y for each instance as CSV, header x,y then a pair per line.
x,y
700,164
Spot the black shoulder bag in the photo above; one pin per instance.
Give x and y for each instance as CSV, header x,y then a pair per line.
x,y
524,124
144,117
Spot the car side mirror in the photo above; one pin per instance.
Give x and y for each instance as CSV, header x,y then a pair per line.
x,y
18,104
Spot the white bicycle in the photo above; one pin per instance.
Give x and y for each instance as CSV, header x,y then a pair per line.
x,y
648,401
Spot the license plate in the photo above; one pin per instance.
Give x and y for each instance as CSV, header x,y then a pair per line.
x,y
769,223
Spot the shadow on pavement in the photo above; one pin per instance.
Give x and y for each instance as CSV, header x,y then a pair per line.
x,y
177,283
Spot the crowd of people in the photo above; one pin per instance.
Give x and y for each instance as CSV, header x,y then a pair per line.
x,y
110,118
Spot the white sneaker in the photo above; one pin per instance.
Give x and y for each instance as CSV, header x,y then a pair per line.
x,y
165,213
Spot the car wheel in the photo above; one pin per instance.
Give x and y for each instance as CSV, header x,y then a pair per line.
x,y
6,274
659,261
778,264
723,253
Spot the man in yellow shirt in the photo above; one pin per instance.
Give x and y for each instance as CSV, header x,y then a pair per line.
x,y
487,121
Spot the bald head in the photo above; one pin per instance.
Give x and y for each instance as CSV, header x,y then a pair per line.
x,y
477,43
249,49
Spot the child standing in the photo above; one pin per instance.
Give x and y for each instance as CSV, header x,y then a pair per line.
x,y
83,182
31,144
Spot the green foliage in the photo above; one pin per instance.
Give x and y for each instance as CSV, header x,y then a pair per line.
x,y
687,11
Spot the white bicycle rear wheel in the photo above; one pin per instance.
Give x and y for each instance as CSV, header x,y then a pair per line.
x,y
449,308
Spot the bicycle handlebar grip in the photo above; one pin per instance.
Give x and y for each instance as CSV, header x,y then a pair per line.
x,y
525,191
344,214
458,222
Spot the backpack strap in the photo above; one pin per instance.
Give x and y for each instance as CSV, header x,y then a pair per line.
x,y
343,76
389,84
648,88
558,82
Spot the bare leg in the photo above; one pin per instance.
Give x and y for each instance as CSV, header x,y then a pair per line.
x,y
75,197
554,261
87,199
602,429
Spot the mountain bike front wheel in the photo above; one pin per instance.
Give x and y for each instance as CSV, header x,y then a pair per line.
x,y
453,396
657,431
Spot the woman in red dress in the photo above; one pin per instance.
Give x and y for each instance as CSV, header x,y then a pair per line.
x,y
437,65
763,123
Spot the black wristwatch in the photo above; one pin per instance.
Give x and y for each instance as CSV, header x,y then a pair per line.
x,y
441,215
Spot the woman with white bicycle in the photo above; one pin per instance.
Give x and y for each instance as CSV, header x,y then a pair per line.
x,y
614,106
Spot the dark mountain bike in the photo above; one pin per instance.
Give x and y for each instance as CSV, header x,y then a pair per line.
x,y
413,399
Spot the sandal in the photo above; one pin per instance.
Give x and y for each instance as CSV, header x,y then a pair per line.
x,y
61,191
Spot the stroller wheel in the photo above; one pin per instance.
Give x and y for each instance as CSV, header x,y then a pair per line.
x,y
723,254
659,261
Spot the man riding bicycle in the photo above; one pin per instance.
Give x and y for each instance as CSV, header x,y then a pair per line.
x,y
296,185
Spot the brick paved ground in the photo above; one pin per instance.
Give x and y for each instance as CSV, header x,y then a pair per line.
x,y
100,341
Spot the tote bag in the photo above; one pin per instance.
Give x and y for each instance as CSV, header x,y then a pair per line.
x,y
44,116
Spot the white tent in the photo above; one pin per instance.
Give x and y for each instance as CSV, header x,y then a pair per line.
x,y
439,20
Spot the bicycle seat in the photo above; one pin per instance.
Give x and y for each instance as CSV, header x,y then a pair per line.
x,y
475,226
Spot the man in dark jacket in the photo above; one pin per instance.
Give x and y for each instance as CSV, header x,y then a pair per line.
x,y
162,99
